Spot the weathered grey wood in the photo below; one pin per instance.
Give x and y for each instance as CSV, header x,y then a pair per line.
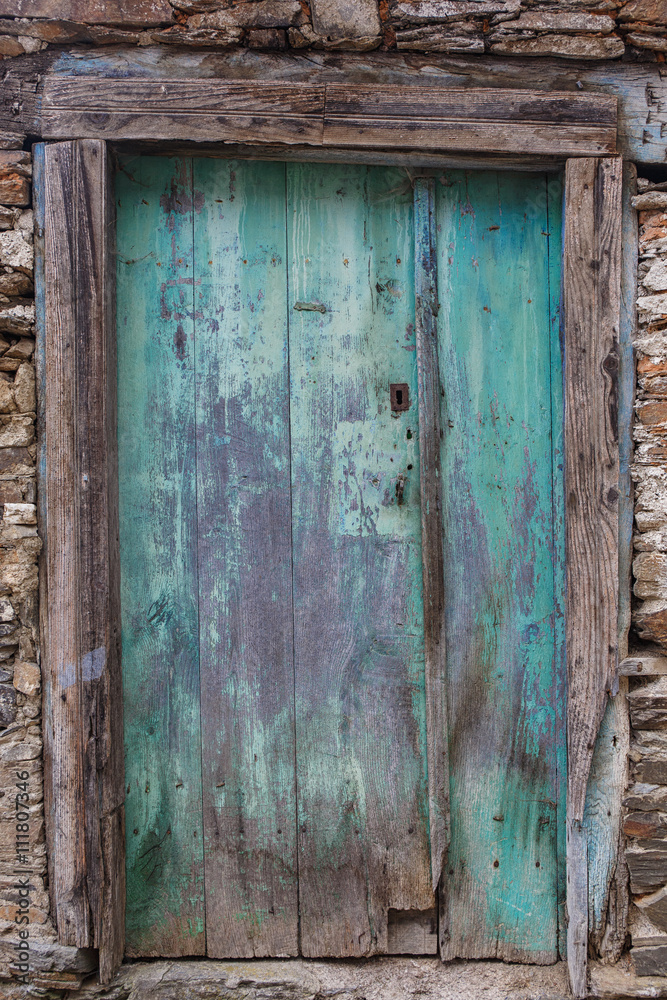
x,y
607,871
418,117
412,932
626,401
643,666
83,731
577,908
426,310
362,792
591,307
244,556
591,321
640,87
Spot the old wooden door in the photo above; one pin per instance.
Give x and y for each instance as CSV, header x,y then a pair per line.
x,y
273,640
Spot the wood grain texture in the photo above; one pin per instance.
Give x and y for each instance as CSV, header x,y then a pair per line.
x,y
626,402
158,548
643,666
498,251
607,871
641,88
245,559
428,375
83,733
591,322
330,115
360,707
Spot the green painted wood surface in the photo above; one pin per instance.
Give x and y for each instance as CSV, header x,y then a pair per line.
x,y
494,273
303,756
245,568
358,616
158,544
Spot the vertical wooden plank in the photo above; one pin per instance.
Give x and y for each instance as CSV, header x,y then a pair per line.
x,y
245,568
554,199
84,779
360,711
499,898
158,548
626,401
607,871
591,324
426,311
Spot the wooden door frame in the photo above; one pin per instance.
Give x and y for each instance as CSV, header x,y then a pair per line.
x,y
79,588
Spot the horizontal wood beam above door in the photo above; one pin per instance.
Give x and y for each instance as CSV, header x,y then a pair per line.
x,y
330,115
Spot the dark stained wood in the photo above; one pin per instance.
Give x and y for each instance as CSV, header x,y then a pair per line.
x,y
244,554
591,324
428,380
83,731
459,104
394,117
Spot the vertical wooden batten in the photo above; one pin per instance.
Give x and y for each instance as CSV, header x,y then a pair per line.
x,y
426,310
78,484
591,325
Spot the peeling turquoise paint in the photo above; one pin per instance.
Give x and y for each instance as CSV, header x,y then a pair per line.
x,y
271,558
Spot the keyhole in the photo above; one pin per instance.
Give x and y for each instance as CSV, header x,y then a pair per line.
x,y
400,397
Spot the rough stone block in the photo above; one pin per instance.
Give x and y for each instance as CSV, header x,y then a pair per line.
x,y
14,190
16,252
10,47
7,704
643,41
16,431
655,280
15,283
428,39
24,389
564,46
255,14
651,961
18,320
433,11
201,36
646,798
651,307
27,677
126,12
645,825
650,200
647,866
563,22
654,906
345,18
23,349
273,39
652,11
20,513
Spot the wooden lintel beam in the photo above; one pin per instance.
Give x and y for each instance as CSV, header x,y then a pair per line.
x,y
524,122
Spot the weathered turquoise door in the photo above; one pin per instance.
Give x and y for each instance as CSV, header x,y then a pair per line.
x,y
273,637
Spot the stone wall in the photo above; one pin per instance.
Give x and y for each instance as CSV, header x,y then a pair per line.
x,y
571,29
645,822
20,701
